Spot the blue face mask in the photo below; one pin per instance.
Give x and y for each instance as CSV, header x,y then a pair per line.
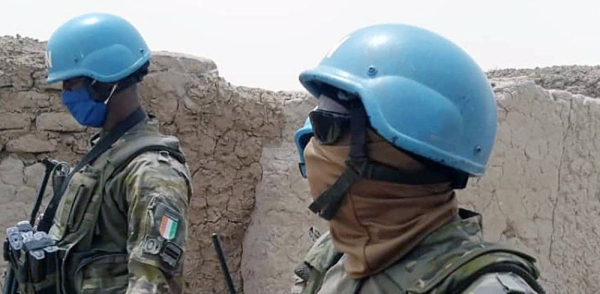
x,y
85,110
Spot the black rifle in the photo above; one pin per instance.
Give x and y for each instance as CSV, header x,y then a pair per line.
x,y
221,256
10,282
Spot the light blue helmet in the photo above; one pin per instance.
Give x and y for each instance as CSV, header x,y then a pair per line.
x,y
301,137
101,46
421,92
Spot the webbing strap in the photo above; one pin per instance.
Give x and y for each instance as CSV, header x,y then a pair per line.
x,y
104,144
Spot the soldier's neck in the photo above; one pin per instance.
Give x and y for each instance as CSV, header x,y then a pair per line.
x,y
119,108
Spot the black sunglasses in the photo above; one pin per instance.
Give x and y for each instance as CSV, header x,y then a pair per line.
x,y
328,127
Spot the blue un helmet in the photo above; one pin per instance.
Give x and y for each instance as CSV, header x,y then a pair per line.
x,y
100,46
301,138
418,90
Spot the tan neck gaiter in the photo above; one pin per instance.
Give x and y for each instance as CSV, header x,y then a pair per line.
x,y
378,222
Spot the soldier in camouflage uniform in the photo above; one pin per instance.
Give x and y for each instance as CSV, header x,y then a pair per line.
x,y
120,222
404,117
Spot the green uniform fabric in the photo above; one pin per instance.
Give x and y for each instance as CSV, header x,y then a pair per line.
x,y
452,259
124,230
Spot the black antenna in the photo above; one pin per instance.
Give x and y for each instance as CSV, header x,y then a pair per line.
x,y
221,256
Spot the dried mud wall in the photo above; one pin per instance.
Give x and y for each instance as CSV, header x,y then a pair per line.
x,y
222,130
540,193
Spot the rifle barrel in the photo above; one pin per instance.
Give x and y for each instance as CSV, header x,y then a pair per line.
x,y
221,256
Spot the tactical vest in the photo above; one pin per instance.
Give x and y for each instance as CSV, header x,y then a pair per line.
x,y
75,223
425,270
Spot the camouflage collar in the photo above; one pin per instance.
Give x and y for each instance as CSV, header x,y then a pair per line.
x,y
446,258
466,226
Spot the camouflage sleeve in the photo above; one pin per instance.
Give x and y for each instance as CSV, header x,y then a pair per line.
x,y
309,274
159,190
499,283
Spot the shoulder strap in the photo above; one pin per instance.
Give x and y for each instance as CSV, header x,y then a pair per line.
x,y
502,267
103,145
478,258
121,157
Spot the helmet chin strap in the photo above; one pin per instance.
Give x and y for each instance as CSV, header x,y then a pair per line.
x,y
100,95
328,203
358,166
101,92
112,91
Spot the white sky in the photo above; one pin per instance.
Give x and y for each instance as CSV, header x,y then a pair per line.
x,y
267,43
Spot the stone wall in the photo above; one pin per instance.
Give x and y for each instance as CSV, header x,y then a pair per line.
x,y
540,192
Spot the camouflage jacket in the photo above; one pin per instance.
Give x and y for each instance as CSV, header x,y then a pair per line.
x,y
125,231
452,259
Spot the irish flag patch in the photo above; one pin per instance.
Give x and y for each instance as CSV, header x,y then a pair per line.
x,y
168,227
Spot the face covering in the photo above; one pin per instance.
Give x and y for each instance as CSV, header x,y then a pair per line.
x,y
378,222
84,108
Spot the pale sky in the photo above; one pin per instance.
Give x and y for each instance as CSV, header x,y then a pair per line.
x,y
267,43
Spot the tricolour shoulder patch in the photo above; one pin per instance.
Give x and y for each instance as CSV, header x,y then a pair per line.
x,y
168,227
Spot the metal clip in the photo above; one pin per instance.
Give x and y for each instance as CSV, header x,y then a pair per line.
x,y
163,156
24,226
14,238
